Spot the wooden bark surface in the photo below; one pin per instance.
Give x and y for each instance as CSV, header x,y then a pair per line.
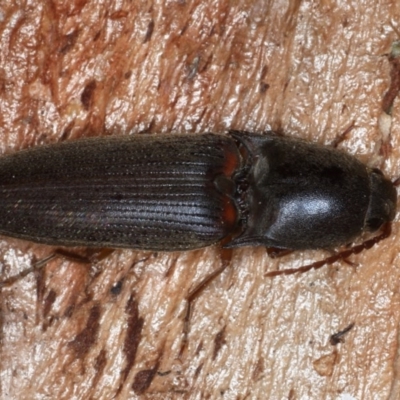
x,y
113,330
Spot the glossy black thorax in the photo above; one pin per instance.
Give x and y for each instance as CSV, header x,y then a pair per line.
x,y
303,195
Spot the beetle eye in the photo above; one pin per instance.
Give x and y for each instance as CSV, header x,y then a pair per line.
x,y
374,224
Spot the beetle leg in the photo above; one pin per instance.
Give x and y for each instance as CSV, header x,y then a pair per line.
x,y
92,257
343,136
342,255
37,265
226,257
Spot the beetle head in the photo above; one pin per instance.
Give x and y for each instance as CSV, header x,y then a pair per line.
x,y
382,203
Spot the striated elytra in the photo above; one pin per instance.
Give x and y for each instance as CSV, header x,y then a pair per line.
x,y
182,192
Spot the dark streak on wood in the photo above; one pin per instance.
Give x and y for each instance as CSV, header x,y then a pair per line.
x,y
97,36
199,348
219,341
143,379
264,72
68,41
184,29
263,87
198,370
87,337
258,370
99,365
149,32
69,311
171,269
206,64
87,94
48,302
133,335
40,284
1,323
201,116
119,15
77,6
292,394
3,87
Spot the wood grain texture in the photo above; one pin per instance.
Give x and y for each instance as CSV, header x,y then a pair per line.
x,y
114,329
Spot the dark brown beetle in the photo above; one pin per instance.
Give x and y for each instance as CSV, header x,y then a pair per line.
x,y
182,192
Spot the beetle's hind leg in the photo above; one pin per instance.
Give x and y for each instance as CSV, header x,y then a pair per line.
x,y
91,257
226,257
35,266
